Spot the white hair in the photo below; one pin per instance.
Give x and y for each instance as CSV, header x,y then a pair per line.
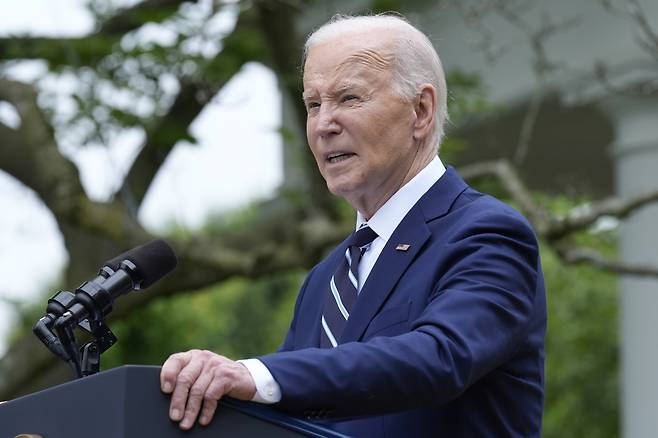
x,y
415,60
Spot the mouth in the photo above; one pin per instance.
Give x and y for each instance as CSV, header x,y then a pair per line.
x,y
336,157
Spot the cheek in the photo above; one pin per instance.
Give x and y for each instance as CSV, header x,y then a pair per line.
x,y
312,143
309,131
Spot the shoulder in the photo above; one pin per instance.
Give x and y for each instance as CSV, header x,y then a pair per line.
x,y
475,216
481,205
452,200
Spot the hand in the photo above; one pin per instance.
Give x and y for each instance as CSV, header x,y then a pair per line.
x,y
199,377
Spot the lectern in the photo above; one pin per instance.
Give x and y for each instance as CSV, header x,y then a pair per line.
x,y
126,402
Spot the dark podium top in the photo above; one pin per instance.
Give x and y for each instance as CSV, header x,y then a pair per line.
x,y
126,402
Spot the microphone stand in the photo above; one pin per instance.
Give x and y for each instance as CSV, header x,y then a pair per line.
x,y
85,360
86,309
93,300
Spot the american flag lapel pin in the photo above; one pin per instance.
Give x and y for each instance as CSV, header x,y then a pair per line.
x,y
402,247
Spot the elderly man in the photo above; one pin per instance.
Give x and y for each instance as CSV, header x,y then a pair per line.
x,y
429,320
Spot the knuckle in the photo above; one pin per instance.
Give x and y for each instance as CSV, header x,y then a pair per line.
x,y
177,356
216,357
219,373
185,379
191,410
215,393
192,406
210,396
192,354
197,392
205,354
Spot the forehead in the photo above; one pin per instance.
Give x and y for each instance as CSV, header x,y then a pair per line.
x,y
349,57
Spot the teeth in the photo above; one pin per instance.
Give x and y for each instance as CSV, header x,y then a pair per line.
x,y
337,158
333,158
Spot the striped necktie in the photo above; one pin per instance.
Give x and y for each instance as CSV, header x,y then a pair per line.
x,y
344,288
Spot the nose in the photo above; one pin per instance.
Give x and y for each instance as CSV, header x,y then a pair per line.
x,y
326,123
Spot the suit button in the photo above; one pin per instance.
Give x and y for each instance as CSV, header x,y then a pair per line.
x,y
312,414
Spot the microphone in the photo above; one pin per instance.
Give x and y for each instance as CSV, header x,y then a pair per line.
x,y
153,260
135,269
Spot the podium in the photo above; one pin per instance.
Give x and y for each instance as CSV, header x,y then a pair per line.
x,y
126,402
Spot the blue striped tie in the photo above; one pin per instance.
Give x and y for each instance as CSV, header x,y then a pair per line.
x,y
343,288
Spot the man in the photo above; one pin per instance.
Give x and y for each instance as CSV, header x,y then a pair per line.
x,y
433,323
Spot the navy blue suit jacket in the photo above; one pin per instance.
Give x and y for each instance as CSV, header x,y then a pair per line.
x,y
446,338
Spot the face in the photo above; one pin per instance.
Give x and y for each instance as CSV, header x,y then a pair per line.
x,y
361,132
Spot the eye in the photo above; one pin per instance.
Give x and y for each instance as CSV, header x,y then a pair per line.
x,y
311,104
349,97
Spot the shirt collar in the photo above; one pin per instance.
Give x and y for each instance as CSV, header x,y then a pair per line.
x,y
388,217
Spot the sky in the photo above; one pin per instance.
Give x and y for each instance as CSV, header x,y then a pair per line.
x,y
238,158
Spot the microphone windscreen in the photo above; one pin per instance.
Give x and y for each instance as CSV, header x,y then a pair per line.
x,y
154,260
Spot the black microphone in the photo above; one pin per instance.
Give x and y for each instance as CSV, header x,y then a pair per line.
x,y
153,260
135,269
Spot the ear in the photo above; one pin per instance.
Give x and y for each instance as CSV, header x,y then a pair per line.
x,y
424,108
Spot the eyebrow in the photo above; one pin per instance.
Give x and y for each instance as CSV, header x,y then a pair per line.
x,y
342,89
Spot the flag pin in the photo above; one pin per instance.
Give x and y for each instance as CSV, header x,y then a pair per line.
x,y
402,247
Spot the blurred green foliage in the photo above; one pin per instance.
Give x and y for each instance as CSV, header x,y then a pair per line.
x,y
581,350
582,353
244,317
238,318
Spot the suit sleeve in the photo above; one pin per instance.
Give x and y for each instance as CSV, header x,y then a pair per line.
x,y
477,316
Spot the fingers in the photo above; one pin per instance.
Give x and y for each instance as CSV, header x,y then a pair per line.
x,y
197,380
184,381
195,397
208,412
214,392
232,379
170,370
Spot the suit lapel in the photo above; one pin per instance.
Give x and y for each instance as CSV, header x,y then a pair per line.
x,y
390,266
392,263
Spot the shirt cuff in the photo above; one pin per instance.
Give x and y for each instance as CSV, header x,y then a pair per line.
x,y
268,390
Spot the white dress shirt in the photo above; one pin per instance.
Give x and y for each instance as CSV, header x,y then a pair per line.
x,y
384,222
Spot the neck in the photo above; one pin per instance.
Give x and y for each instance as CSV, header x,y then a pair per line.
x,y
423,156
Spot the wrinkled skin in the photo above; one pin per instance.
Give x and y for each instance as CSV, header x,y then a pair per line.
x,y
367,140
197,379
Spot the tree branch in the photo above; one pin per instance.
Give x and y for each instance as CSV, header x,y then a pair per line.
x,y
649,39
578,220
88,50
278,20
557,230
505,173
129,19
195,93
202,262
30,153
578,255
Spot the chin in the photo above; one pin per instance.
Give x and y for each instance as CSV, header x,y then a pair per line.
x,y
336,187
343,189
335,190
